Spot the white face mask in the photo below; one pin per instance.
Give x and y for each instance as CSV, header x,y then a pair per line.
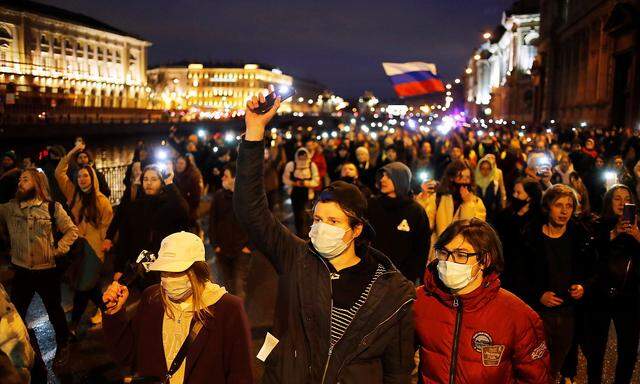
x,y
176,288
455,276
327,239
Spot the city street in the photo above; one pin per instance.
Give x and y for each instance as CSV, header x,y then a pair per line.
x,y
489,149
91,363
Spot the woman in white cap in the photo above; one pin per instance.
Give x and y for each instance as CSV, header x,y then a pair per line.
x,y
186,311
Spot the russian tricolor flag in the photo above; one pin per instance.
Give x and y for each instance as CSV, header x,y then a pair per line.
x,y
413,79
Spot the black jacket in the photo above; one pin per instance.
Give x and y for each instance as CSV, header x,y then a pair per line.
x,y
146,221
513,231
618,265
8,184
224,230
378,345
583,258
407,246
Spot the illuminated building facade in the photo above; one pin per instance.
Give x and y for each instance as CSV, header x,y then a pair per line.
x,y
222,90
63,66
498,79
590,63
213,91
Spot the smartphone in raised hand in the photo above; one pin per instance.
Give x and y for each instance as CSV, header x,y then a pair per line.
x,y
629,213
283,92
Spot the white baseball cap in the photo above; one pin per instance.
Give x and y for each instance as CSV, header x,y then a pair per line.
x,y
178,252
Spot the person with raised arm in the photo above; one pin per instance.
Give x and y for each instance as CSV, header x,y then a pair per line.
x,y
346,310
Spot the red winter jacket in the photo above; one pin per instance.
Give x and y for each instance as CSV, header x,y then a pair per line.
x,y
488,336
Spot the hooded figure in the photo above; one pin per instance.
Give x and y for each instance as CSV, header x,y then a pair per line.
x,y
365,168
401,224
400,174
302,176
83,158
487,187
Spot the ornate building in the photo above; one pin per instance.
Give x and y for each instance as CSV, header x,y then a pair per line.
x,y
58,65
221,90
498,78
589,57
212,91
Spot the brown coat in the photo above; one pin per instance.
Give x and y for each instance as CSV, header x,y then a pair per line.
x,y
221,353
94,234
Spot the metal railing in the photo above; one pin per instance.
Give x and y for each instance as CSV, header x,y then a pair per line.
x,y
115,177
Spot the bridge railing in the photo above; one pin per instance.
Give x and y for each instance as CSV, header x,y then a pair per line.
x,y
115,176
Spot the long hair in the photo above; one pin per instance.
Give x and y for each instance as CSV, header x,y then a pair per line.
x,y
581,189
157,170
607,202
199,275
452,171
89,200
41,184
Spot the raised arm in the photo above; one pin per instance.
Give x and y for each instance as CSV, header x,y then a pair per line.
x,y
64,182
250,201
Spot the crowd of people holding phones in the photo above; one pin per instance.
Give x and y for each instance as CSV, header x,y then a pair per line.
x,y
489,253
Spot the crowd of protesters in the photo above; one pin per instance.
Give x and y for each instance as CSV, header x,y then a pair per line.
x,y
496,251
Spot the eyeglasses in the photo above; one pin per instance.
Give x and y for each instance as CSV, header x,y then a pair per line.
x,y
457,256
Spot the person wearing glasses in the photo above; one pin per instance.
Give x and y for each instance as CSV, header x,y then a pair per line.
x,y
469,330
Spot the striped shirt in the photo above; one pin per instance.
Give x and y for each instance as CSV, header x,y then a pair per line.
x,y
342,317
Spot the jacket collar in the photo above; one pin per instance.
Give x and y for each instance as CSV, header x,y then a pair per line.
x,y
35,202
471,301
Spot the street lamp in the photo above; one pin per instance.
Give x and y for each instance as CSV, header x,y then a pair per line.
x,y
468,71
487,35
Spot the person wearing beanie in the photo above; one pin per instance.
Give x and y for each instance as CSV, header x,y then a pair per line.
x,y
185,302
9,175
401,224
345,309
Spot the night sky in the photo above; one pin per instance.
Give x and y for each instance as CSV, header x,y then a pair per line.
x,y
338,43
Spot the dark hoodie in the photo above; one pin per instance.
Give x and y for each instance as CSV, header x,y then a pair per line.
x,y
401,224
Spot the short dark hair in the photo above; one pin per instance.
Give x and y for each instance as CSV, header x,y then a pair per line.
x,y
556,192
482,237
